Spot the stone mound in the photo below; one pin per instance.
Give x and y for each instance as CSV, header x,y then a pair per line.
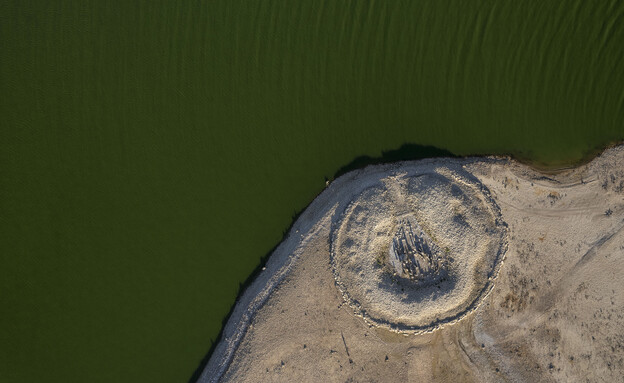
x,y
414,251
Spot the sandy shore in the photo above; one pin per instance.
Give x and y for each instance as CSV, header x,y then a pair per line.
x,y
520,281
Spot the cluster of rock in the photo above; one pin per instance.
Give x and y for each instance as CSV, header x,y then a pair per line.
x,y
418,246
414,255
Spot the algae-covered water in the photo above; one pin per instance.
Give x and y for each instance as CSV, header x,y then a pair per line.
x,y
151,152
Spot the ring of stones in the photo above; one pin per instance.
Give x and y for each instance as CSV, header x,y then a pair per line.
x,y
414,251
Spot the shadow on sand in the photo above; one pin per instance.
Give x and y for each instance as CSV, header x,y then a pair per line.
x,y
404,153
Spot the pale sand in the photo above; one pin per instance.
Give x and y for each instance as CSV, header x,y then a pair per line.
x,y
550,307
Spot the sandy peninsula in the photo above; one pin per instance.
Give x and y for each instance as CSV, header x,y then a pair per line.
x,y
442,270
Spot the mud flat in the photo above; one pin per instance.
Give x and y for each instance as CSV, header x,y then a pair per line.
x,y
477,269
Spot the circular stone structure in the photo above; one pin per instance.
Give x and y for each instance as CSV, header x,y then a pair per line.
x,y
413,255
419,249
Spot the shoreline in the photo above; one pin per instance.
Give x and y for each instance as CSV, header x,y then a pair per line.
x,y
287,253
279,261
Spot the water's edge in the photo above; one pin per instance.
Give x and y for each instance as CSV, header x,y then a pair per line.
x,y
406,152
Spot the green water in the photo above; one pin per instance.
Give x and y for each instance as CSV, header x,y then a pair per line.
x,y
152,152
